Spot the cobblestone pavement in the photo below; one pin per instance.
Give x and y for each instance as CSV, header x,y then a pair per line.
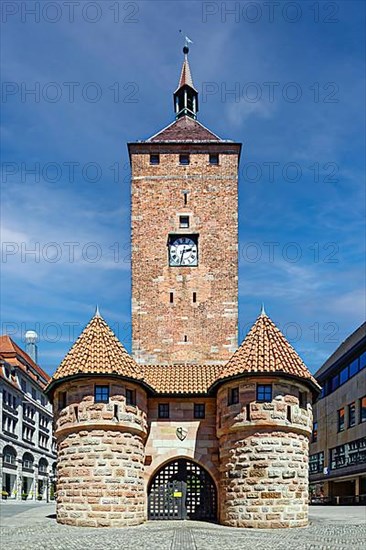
x,y
338,528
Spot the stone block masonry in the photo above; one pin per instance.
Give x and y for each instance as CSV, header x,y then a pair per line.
x,y
264,455
101,453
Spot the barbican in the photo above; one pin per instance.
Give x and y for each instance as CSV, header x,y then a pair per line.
x,y
189,425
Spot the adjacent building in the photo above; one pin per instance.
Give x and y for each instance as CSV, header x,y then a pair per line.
x,y
27,449
338,446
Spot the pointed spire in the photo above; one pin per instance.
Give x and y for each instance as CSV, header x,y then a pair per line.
x,y
186,95
185,75
97,312
263,311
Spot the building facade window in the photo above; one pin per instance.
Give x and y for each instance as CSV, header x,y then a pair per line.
x,y
344,375
363,360
27,461
184,159
184,222
316,463
214,158
154,159
9,424
349,454
264,392
233,396
199,410
335,382
351,415
163,410
130,397
34,394
9,457
23,385
340,419
314,435
363,409
43,441
101,394
353,368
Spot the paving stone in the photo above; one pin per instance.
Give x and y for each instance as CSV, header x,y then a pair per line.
x,y
330,528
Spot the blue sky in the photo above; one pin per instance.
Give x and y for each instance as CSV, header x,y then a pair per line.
x,y
297,104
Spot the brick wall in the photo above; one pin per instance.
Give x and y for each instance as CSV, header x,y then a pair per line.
x,y
159,328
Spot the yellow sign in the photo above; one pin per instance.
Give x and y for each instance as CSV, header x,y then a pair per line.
x,y
177,494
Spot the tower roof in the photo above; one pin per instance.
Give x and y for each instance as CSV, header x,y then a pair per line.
x,y
185,129
97,351
266,350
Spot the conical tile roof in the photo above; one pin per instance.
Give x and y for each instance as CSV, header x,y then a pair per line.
x,y
97,351
266,350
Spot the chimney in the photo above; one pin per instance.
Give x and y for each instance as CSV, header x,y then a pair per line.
x,y
31,339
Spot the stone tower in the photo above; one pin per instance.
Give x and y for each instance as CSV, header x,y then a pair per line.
x,y
100,421
184,195
264,421
191,427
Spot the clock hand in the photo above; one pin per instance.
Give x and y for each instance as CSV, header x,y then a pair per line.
x,y
181,256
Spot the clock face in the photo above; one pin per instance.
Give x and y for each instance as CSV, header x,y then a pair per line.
x,y
183,251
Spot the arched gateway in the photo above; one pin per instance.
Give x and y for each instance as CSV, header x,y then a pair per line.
x,y
182,489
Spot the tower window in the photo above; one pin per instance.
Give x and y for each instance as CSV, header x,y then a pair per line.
x,y
185,338
163,410
194,298
214,158
233,396
184,159
101,394
303,399
264,392
62,400
171,297
184,222
199,410
185,195
154,159
130,397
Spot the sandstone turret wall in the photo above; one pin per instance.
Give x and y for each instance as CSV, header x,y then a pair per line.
x,y
264,455
100,456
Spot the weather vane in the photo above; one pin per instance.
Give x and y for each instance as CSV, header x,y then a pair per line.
x,y
187,40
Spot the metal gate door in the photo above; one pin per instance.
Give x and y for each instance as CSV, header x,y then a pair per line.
x,y
182,490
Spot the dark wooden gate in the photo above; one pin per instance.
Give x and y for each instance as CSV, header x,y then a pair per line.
x,y
182,490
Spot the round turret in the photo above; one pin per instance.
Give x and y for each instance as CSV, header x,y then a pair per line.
x,y
100,429
264,421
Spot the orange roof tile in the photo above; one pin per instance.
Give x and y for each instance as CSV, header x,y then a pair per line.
x,y
266,350
180,379
98,351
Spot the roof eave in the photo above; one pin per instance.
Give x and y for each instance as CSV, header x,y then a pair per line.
x,y
315,388
50,389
